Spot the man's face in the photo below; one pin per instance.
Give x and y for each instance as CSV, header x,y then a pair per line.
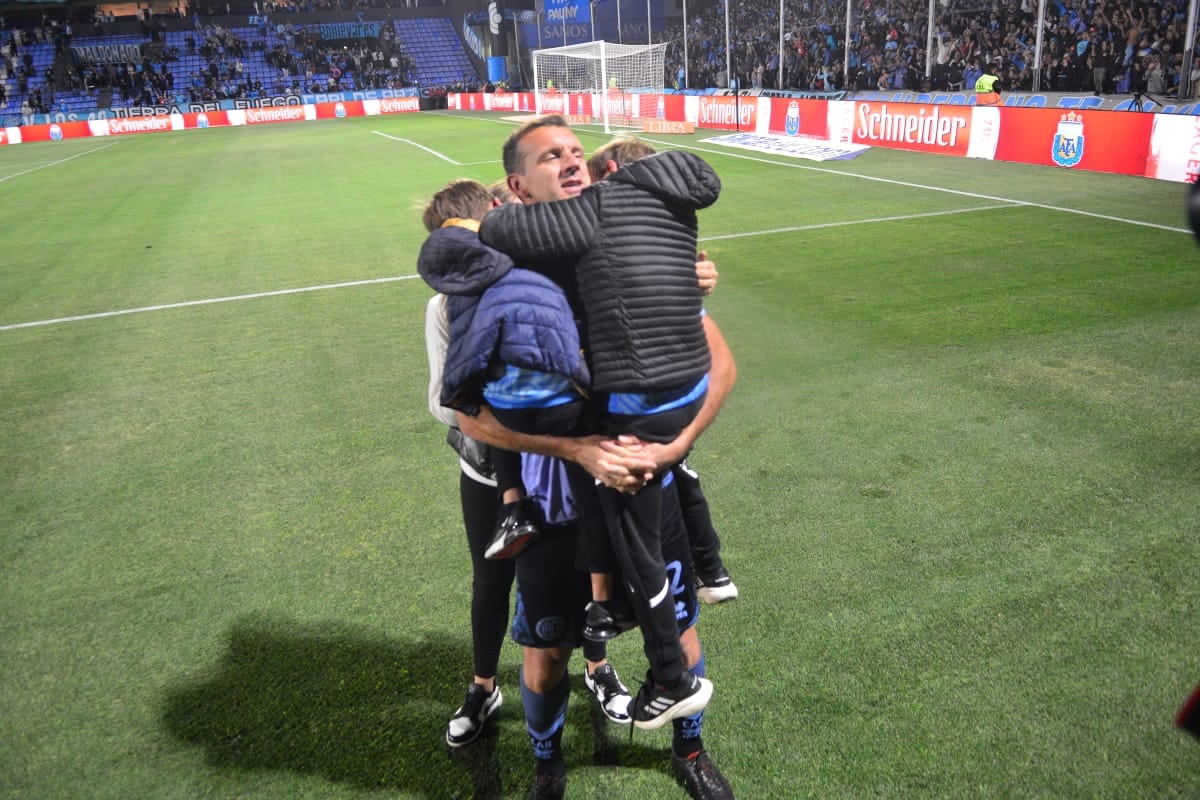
x,y
552,166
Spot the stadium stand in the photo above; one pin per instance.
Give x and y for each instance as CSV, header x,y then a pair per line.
x,y
1088,47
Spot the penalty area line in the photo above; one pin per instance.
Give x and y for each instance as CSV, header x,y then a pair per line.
x,y
819,225
433,152
60,161
927,187
206,302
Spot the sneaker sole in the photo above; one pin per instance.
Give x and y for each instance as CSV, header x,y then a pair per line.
x,y
601,634
684,708
509,550
713,595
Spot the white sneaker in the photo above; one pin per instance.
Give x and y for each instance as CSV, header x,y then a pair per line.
x,y
716,588
468,721
610,693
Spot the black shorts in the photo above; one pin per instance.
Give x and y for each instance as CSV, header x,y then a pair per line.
x,y
552,593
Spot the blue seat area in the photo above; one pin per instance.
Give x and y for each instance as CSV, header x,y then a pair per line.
x,y
436,49
433,46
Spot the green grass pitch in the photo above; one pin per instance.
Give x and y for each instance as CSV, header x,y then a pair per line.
x,y
957,482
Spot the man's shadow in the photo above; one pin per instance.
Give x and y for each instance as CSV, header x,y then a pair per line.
x,y
355,707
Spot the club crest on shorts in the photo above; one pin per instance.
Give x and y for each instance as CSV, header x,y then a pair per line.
x,y
550,629
1067,149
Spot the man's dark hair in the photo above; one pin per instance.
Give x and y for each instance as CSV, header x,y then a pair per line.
x,y
509,153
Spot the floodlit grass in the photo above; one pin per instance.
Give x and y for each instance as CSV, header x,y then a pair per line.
x,y
957,482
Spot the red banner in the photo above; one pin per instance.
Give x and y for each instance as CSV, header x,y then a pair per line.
x,y
124,125
257,116
1106,141
340,109
54,132
807,118
206,119
728,113
910,126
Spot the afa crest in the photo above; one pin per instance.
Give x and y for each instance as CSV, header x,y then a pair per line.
x,y
1067,149
791,123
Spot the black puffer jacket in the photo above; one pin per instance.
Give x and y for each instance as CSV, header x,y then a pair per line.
x,y
625,251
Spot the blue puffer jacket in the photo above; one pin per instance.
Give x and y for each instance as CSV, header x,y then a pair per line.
x,y
499,315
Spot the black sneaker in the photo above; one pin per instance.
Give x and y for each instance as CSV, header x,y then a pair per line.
x,y
609,692
548,787
468,721
716,588
702,778
655,707
515,531
599,625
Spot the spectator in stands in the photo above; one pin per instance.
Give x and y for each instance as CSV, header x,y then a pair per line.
x,y
1156,83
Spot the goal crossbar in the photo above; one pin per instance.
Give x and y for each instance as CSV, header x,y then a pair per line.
x,y
616,76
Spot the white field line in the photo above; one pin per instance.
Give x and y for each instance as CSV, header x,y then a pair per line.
x,y
1004,201
890,181
818,225
429,150
60,161
209,301
329,286
926,187
433,152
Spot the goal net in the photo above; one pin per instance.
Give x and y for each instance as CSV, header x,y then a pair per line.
x,y
616,85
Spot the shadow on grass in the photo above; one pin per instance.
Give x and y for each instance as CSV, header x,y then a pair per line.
x,y
353,707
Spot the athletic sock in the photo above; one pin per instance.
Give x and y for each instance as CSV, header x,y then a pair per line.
x,y
595,651
544,718
686,741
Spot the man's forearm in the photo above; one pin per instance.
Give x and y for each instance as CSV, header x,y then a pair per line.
x,y
721,378
625,471
486,428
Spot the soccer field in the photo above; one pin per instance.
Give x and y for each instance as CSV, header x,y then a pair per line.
x,y
956,483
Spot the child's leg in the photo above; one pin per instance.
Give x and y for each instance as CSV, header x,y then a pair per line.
x,y
516,525
508,475
601,586
634,523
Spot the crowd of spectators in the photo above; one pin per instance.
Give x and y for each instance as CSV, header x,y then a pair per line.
x,y
291,59
1100,46
1088,46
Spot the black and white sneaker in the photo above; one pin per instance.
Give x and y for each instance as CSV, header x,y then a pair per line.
x,y
549,787
515,530
468,721
716,588
655,707
702,778
609,692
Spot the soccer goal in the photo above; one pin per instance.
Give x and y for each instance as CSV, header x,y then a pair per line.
x,y
624,81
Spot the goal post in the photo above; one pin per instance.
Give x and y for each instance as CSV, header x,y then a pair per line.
x,y
623,80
